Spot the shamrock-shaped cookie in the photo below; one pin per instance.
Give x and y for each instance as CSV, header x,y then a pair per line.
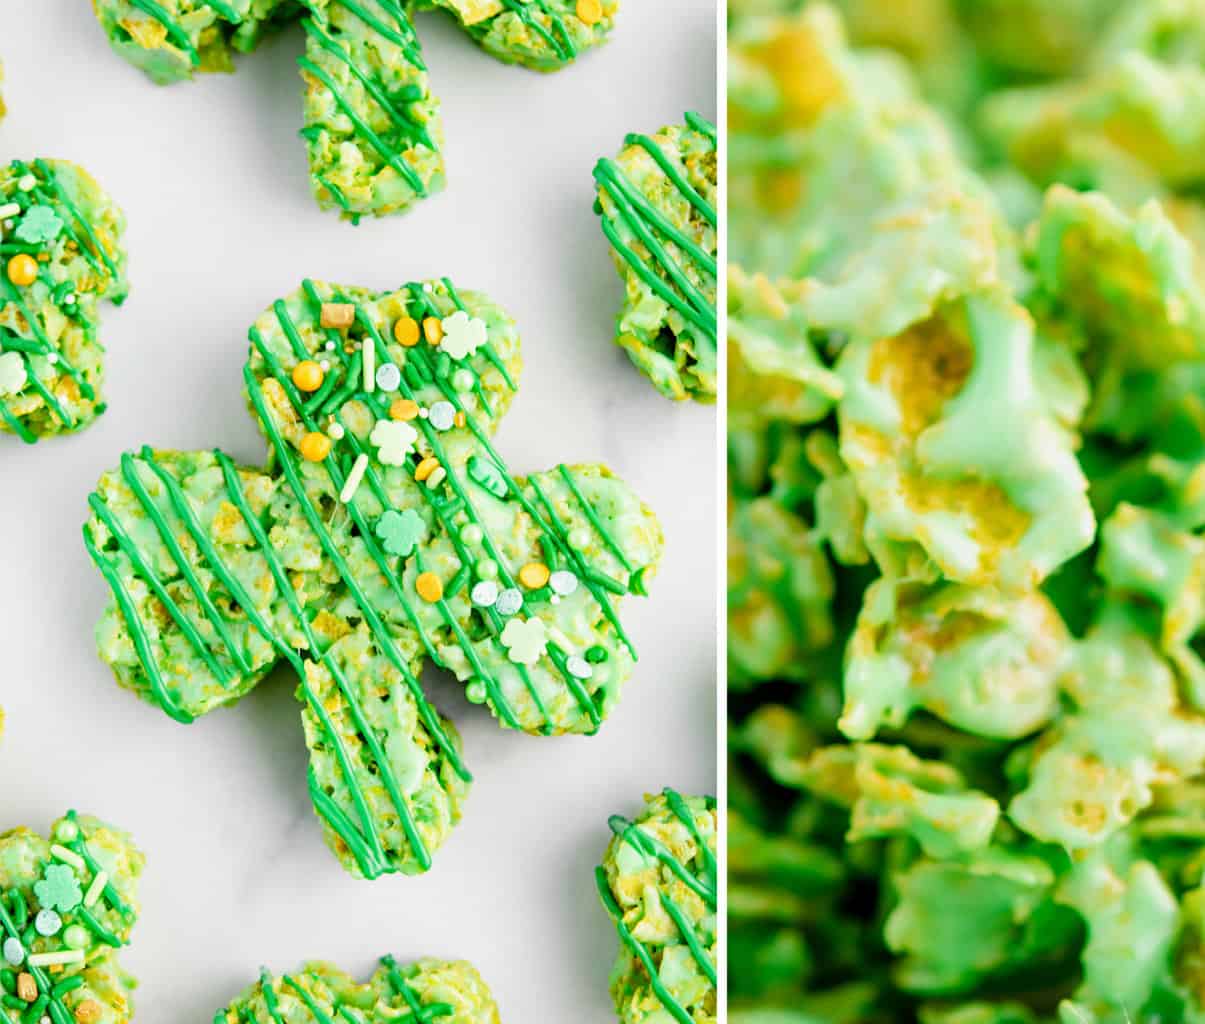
x,y
385,530
425,992
659,883
67,905
372,126
60,256
657,204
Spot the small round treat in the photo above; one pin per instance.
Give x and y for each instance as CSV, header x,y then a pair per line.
x,y
657,201
447,992
659,883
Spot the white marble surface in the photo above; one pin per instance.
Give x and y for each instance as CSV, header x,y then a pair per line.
x,y
212,177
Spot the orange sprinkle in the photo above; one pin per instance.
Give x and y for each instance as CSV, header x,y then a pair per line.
x,y
22,270
315,447
308,375
534,575
425,468
429,587
406,331
403,409
460,419
590,11
434,330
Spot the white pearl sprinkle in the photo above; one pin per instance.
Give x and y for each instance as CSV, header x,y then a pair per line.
x,y
325,364
335,432
423,414
52,358
330,346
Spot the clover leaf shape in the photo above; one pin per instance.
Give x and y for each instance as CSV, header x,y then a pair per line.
x,y
322,528
59,889
525,640
68,904
400,532
51,358
393,441
375,148
463,335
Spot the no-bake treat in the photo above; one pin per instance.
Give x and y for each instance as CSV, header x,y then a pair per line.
x,y
372,126
967,557
659,883
425,992
657,206
384,531
61,256
67,905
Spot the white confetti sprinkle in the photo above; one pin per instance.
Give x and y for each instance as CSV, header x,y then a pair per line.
x,y
509,601
563,582
484,594
443,415
389,377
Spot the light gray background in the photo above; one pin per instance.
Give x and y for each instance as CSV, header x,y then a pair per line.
x,y
212,177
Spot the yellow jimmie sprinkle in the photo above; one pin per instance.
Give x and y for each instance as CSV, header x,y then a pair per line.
x,y
68,857
96,888
352,483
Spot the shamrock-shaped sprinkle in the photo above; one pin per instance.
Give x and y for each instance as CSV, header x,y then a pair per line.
x,y
463,334
59,889
393,441
12,373
525,640
401,531
40,224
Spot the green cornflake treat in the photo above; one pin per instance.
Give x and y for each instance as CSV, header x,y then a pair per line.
x,y
372,127
967,439
658,882
61,256
68,904
541,34
657,204
425,992
368,545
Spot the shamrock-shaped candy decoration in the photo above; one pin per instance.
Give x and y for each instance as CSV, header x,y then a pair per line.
x,y
67,905
60,255
657,204
382,533
659,883
372,126
425,992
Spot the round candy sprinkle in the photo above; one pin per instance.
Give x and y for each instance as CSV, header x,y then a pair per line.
x,y
433,330
589,12
335,431
22,270
425,468
429,587
308,375
403,409
472,534
76,936
579,537
578,666
389,377
563,582
509,602
66,831
462,380
442,415
406,332
14,952
47,923
484,594
315,447
533,575
487,568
